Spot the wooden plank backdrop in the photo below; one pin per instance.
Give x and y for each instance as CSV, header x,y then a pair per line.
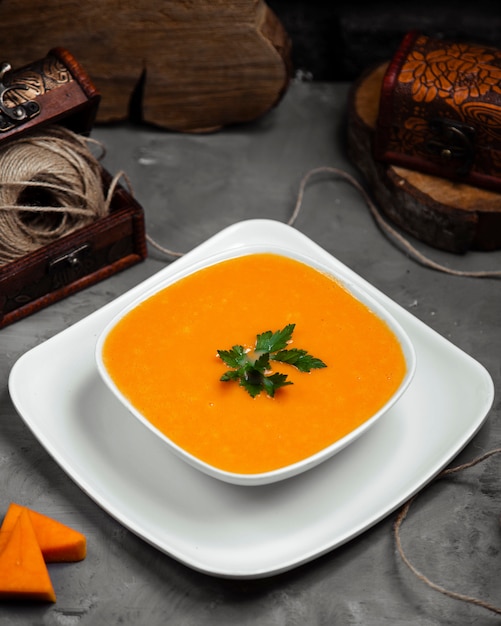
x,y
179,64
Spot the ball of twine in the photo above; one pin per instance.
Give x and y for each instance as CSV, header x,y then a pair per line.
x,y
50,185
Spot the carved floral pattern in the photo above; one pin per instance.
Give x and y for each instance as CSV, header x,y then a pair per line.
x,y
456,73
38,79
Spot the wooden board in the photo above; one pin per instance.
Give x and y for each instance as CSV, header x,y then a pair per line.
x,y
192,66
446,215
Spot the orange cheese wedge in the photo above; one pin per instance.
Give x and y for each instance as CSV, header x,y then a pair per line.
x,y
23,573
57,541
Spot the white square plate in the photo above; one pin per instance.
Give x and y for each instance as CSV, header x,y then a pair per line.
x,y
229,530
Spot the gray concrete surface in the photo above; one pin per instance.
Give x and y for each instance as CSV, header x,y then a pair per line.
x,y
191,186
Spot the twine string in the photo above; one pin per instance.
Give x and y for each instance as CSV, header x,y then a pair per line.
x,y
383,224
391,233
162,249
50,185
402,515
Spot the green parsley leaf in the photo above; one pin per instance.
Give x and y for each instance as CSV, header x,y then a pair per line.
x,y
274,381
303,361
230,375
271,342
235,357
255,375
262,363
251,379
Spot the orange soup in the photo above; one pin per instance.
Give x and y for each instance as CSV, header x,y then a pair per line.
x,y
163,358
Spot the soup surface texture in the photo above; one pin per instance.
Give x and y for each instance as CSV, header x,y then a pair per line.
x,y
162,356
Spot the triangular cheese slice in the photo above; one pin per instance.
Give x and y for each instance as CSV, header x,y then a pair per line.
x,y
57,541
23,573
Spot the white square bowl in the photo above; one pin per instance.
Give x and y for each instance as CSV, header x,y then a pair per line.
x,y
326,265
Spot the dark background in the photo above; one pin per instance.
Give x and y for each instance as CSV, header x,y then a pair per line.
x,y
335,41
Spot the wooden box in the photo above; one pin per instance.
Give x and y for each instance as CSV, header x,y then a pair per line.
x,y
440,111
56,90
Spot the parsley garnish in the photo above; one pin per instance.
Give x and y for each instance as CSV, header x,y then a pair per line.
x,y
254,374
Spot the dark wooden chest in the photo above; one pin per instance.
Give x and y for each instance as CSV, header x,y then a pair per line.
x,y
440,111
56,90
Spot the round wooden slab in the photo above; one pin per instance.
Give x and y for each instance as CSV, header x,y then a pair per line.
x,y
446,215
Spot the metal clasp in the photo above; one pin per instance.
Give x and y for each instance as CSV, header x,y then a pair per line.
x,y
11,116
71,260
454,144
70,266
